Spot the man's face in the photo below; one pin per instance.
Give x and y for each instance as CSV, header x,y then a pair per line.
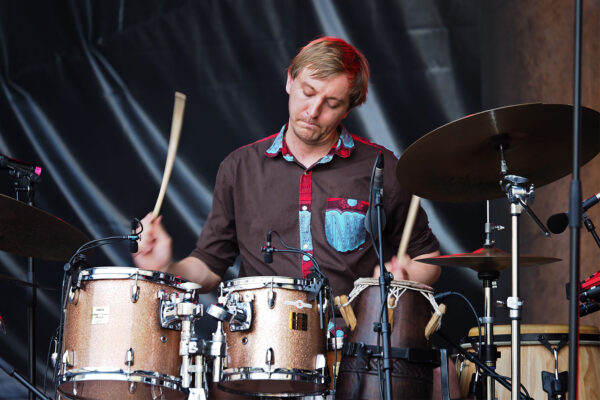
x,y
317,106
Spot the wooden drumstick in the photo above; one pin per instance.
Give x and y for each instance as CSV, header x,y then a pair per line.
x,y
408,226
435,321
176,123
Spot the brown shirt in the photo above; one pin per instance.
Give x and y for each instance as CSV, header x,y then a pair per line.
x,y
260,187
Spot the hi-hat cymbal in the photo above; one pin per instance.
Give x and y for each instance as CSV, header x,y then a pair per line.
x,y
486,259
460,161
30,232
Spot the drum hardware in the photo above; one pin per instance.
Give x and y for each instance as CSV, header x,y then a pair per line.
x,y
555,384
129,356
135,289
487,370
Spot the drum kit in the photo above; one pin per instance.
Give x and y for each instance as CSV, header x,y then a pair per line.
x,y
129,333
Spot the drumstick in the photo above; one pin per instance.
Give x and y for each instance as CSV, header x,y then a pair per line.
x,y
410,221
176,123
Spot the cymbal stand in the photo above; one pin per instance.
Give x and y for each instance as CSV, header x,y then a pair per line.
x,y
489,351
518,196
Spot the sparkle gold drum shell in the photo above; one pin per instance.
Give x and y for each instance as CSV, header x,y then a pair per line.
x,y
114,346
277,348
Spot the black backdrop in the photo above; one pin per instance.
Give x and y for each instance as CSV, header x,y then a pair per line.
x,y
87,93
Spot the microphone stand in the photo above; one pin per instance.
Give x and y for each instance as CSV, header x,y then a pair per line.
x,y
24,180
384,285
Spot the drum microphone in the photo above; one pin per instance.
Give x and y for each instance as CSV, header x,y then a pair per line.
x,y
33,171
588,308
268,250
559,222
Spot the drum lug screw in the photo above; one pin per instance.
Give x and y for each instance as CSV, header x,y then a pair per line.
x,y
269,358
129,356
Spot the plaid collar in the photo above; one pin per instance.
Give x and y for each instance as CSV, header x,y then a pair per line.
x,y
342,148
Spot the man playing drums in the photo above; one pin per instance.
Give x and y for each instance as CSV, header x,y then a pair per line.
x,y
310,183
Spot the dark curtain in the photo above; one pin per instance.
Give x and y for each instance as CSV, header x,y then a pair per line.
x,y
87,93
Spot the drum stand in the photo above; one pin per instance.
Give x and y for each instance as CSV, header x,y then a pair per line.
x,y
489,350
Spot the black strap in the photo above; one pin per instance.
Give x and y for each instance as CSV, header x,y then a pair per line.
x,y
416,355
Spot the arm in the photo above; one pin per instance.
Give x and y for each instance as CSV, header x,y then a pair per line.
x,y
412,269
156,253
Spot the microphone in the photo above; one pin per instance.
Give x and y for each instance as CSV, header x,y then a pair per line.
x,y
588,308
371,217
592,294
33,171
133,238
268,250
559,222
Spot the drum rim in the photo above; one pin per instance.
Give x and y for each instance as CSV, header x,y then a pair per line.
x,y
235,375
138,376
531,339
115,272
395,283
259,282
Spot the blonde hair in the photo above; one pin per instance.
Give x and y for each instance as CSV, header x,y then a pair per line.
x,y
329,56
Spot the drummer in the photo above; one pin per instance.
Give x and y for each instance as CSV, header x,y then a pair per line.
x,y
310,183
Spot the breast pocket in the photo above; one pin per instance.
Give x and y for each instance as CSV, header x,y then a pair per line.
x,y
345,223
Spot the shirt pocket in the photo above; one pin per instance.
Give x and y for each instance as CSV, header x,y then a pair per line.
x,y
345,223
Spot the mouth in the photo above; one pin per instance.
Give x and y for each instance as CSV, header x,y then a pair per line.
x,y
308,124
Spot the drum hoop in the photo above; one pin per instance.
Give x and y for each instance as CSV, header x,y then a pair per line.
x,y
529,339
260,282
279,374
110,273
97,374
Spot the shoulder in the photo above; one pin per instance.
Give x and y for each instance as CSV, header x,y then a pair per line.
x,y
251,152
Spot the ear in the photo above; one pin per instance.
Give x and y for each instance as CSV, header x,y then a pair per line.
x,y
288,84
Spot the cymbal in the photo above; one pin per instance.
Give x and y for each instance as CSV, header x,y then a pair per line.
x,y
486,259
15,281
460,161
30,232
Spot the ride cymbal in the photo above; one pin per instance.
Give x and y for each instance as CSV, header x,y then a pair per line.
x,y
461,161
30,232
486,259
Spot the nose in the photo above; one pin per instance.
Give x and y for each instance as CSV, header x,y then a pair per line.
x,y
314,109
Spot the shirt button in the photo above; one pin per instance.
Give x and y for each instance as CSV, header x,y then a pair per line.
x,y
305,246
304,208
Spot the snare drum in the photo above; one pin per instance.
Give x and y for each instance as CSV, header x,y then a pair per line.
x,y
536,358
276,346
114,346
413,303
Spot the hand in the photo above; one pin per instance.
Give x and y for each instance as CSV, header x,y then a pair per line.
x,y
397,268
155,247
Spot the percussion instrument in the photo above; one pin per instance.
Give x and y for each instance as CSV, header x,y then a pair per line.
x,y
413,359
536,358
121,339
275,344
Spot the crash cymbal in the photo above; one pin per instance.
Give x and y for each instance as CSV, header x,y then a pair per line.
x,y
460,161
30,232
486,259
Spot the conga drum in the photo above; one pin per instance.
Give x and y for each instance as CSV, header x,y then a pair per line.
x,y
413,360
536,358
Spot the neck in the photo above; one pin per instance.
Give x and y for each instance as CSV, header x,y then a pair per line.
x,y
308,154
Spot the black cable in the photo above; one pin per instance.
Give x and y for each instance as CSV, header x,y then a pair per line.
x,y
443,295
